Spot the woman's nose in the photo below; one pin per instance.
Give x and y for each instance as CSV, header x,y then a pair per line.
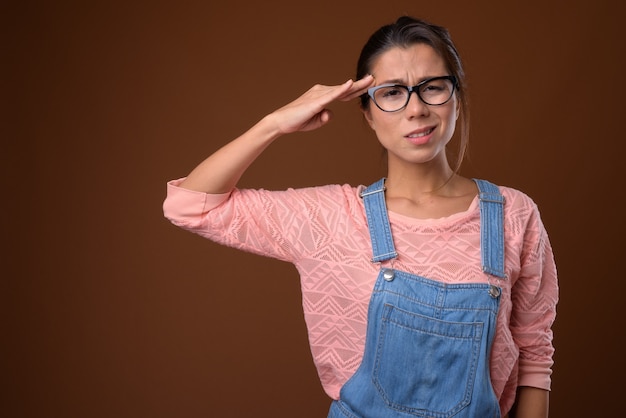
x,y
416,107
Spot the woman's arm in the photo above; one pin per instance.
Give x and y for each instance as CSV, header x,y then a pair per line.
x,y
531,403
534,296
220,172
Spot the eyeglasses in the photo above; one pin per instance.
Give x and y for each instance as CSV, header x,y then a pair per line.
x,y
434,91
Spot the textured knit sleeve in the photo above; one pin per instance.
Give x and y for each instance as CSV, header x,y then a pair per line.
x,y
534,297
280,224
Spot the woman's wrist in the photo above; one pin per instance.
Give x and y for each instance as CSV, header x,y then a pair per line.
x,y
267,128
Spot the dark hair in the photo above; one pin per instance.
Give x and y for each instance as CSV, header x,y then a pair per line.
x,y
407,31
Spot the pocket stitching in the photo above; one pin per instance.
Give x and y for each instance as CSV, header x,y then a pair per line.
x,y
474,341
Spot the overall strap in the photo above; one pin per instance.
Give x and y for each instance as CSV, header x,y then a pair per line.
x,y
491,225
378,222
491,228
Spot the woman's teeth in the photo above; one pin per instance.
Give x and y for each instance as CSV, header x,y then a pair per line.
x,y
421,134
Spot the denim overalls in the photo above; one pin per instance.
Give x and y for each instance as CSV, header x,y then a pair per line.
x,y
428,343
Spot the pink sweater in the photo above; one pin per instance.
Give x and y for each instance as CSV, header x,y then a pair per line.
x,y
323,232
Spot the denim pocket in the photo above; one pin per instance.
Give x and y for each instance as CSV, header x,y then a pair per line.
x,y
425,366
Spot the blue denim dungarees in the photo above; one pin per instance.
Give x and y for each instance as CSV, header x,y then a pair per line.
x,y
428,343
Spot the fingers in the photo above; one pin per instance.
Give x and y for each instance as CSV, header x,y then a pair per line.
x,y
326,116
365,82
343,92
357,88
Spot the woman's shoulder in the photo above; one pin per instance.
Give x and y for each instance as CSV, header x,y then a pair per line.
x,y
330,205
513,197
329,197
519,207
516,198
328,191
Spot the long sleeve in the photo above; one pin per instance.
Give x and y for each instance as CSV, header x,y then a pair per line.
x,y
534,297
280,224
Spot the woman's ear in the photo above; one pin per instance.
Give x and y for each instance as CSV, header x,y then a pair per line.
x,y
367,113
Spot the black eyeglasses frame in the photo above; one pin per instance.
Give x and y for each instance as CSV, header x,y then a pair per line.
x,y
415,88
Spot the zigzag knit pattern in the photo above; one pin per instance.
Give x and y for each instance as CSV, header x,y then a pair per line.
x,y
323,232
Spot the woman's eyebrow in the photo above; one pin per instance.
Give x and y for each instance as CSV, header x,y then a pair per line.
x,y
404,83
394,81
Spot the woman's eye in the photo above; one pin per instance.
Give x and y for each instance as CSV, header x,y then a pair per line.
x,y
433,88
392,92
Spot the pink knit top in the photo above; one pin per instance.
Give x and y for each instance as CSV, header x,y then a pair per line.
x,y
323,232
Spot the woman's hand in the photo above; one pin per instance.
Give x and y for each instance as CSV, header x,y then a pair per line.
x,y
309,111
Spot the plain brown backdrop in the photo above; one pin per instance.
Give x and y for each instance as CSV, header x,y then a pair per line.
x,y
109,311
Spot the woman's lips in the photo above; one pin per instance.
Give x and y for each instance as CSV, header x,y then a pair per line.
x,y
420,136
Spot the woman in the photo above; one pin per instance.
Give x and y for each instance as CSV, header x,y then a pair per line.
x,y
426,293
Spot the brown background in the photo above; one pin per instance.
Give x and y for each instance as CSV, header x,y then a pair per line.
x,y
109,311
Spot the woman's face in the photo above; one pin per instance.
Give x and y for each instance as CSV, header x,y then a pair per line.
x,y
419,133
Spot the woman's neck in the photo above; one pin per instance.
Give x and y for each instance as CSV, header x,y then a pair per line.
x,y
428,193
420,179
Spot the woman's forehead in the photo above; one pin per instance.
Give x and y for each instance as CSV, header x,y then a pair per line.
x,y
408,64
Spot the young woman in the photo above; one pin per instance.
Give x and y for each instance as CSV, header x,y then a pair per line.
x,y
425,294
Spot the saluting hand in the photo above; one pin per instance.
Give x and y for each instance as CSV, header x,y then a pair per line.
x,y
309,111
221,171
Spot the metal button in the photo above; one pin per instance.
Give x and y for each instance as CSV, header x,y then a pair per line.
x,y
388,274
494,291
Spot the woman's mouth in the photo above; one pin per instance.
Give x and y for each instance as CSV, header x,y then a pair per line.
x,y
420,137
